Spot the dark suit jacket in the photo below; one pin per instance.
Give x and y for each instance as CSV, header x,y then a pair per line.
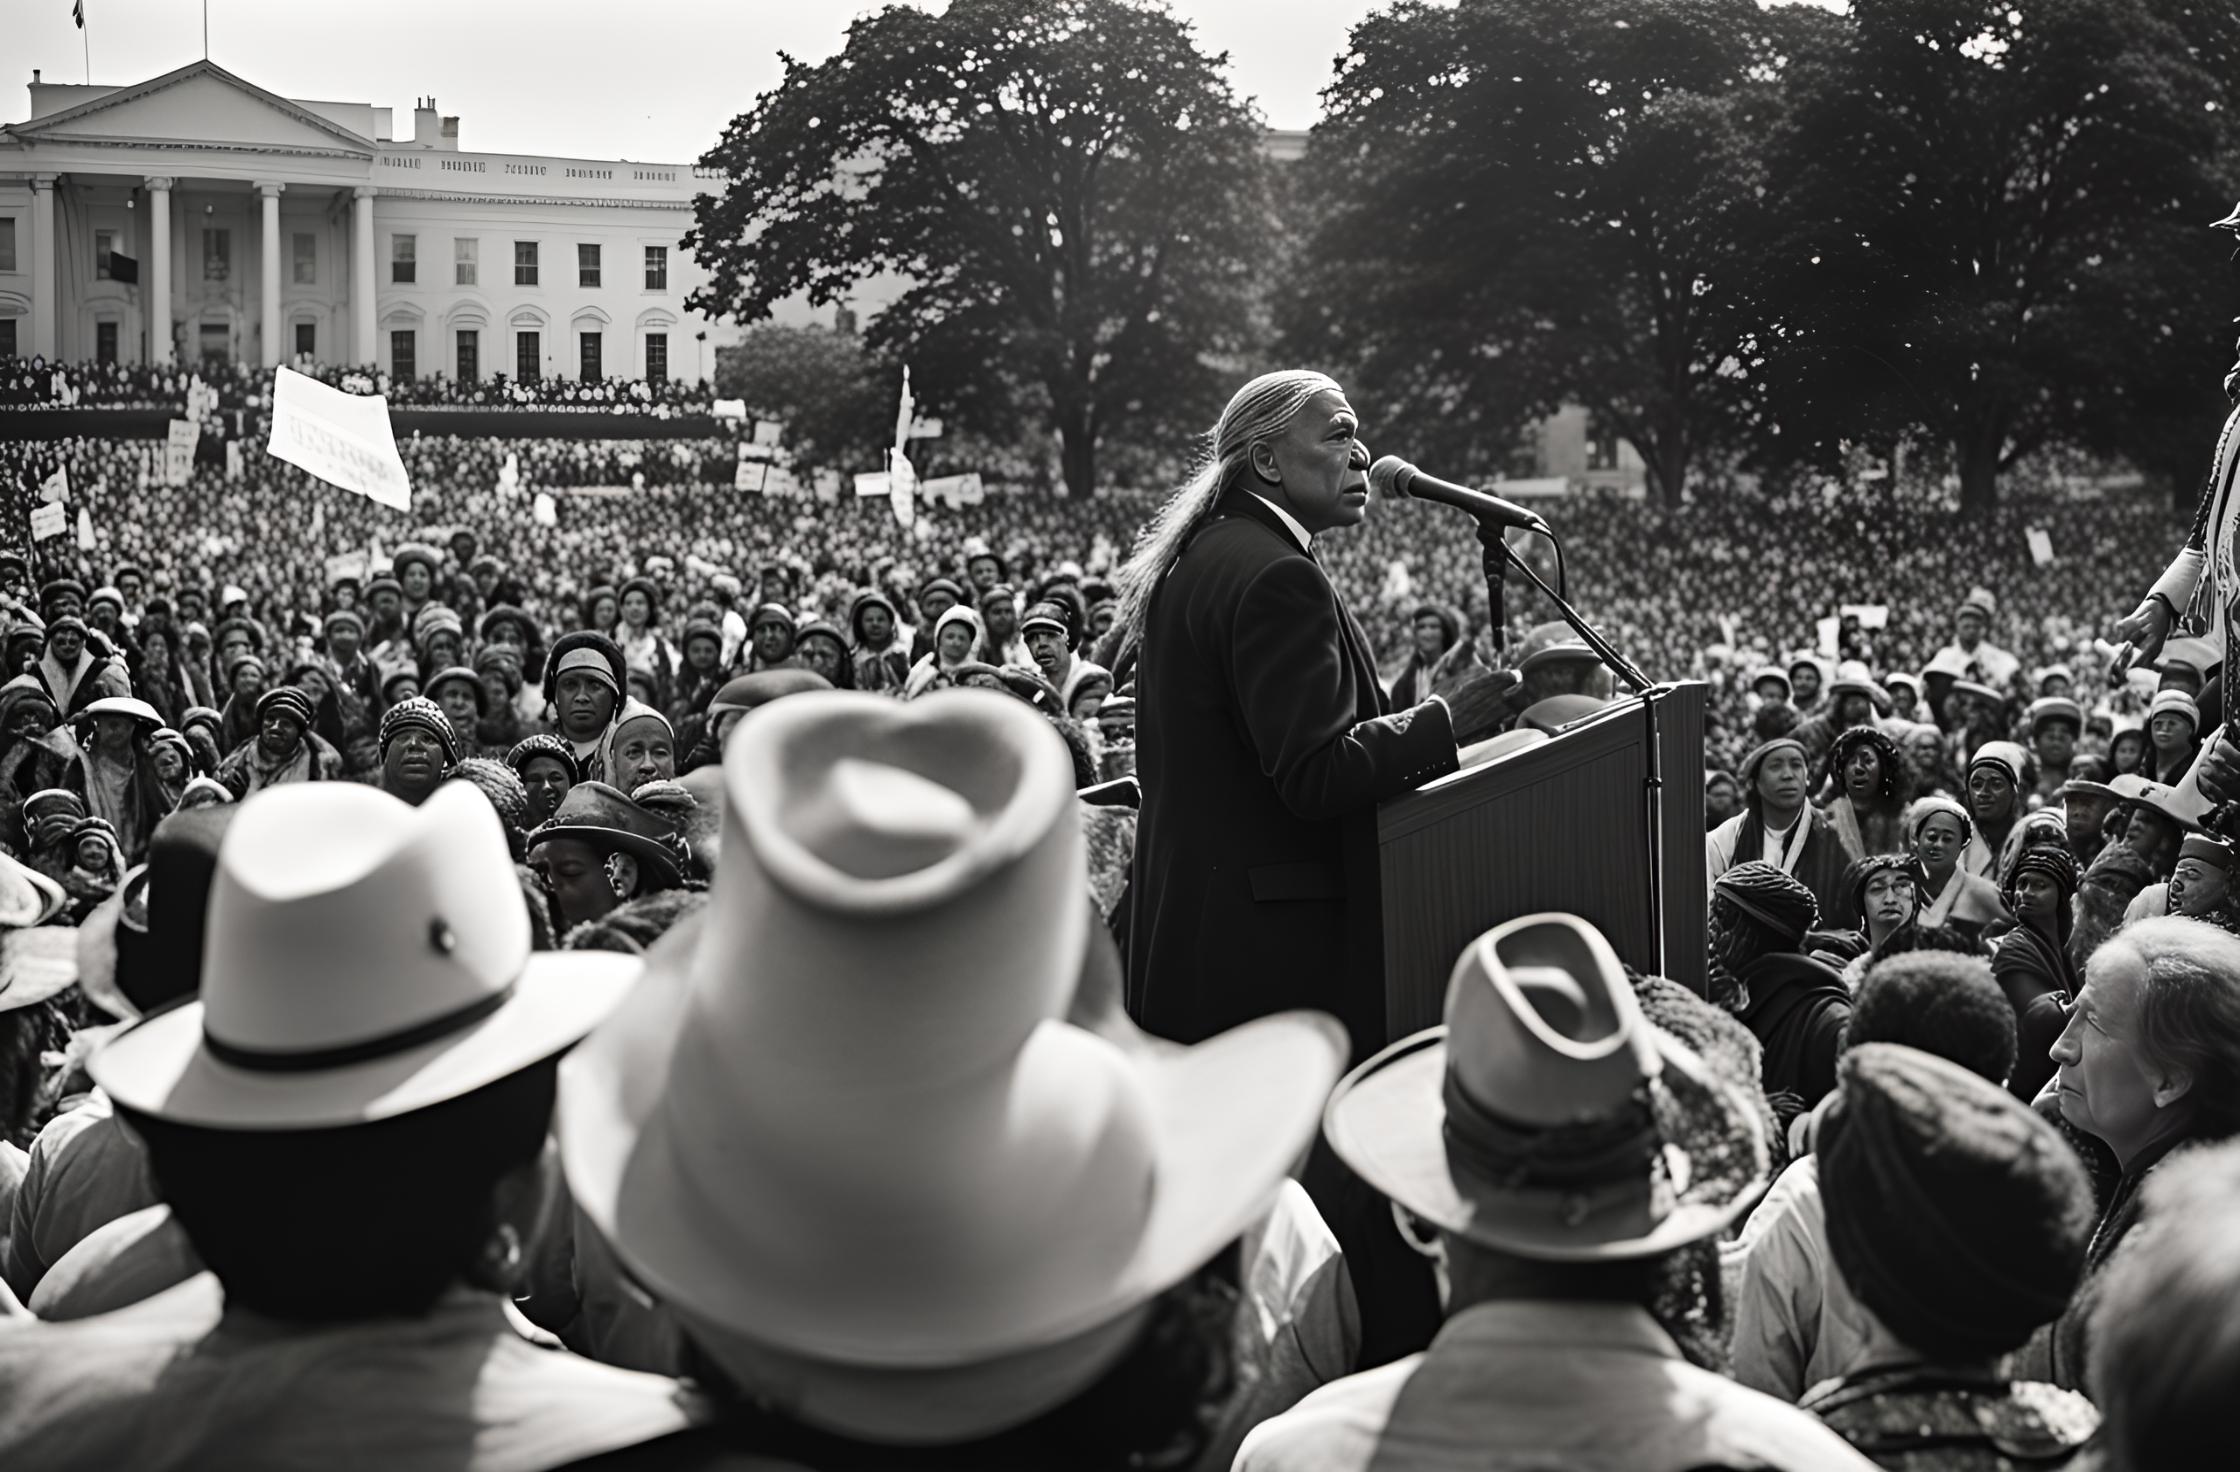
x,y
1260,729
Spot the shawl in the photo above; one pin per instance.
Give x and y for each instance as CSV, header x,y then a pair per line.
x,y
63,684
2027,966
1792,1008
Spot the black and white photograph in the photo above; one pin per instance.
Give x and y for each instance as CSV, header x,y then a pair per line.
x,y
853,735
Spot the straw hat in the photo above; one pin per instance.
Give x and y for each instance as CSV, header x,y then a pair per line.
x,y
843,1129
363,959
1547,1118
36,960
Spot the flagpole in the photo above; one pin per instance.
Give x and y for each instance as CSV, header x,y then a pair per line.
x,y
85,40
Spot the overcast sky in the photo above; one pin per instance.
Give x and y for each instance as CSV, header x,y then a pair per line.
x,y
653,80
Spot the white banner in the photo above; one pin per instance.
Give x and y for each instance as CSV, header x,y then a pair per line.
x,y
730,409
178,451
56,487
750,475
346,565
874,485
544,511
49,520
344,439
768,432
85,530
953,490
2041,545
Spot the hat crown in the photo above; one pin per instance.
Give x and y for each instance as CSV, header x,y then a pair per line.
x,y
418,905
1542,1028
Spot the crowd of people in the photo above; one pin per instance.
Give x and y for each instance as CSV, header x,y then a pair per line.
x,y
668,943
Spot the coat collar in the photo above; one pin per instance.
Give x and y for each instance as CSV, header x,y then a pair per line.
x,y
1237,501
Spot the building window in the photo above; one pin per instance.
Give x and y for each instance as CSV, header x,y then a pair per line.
x,y
524,263
1602,450
217,255
657,357
404,262
105,341
528,361
8,333
403,354
587,357
104,241
470,355
217,339
466,257
307,340
587,265
7,243
657,268
306,260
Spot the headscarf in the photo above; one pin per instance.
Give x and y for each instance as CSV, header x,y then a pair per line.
x,y
2056,864
633,710
1780,903
1259,411
545,745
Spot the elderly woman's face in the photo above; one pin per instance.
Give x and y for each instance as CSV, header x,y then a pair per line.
x,y
2109,1086
1320,463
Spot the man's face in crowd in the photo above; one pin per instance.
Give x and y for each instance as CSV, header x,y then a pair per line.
x,y
129,585
575,875
772,640
1990,794
279,733
1853,710
485,579
416,580
1430,637
93,853
385,603
822,656
2170,731
1048,646
2086,812
1902,702
1968,628
2055,685
1781,779
443,649
456,697
1319,463
509,633
66,644
1721,801
1890,898
586,704
936,603
2109,1087
1938,842
878,626
984,571
2056,744
346,595
2198,887
1805,681
644,753
113,735
342,643
2148,836
956,643
548,782
462,549
1770,690
412,762
170,766
104,616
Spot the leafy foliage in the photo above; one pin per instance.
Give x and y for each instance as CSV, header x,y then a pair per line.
x,y
1068,189
837,403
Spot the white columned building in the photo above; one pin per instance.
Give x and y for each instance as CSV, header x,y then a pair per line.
x,y
196,215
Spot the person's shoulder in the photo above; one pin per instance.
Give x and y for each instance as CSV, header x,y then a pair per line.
x,y
1758,1430
1334,1429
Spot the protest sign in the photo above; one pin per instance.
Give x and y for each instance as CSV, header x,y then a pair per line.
x,y
925,429
544,511
768,432
953,490
730,409
178,451
49,520
55,489
346,565
750,475
874,485
85,530
2041,545
344,439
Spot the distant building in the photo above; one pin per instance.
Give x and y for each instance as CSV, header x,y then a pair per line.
x,y
196,215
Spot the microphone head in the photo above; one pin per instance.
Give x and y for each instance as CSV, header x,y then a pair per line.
x,y
1388,477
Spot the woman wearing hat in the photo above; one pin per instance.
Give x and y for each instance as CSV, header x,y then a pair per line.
x,y
1873,786
73,674
498,667
955,636
439,640
285,750
2127,748
459,691
547,769
245,676
156,676
1938,834
433,1087
115,771
701,676
357,684
418,744
1780,826
32,757
770,637
1999,775
637,633
2032,960
881,654
599,850
584,684
822,649
2173,733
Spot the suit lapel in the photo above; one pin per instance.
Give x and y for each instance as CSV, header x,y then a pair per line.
x,y
1368,695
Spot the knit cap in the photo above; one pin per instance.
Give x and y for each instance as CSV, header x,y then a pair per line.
x,y
288,700
1955,1214
425,714
1772,898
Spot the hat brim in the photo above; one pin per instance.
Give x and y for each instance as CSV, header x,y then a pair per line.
x,y
160,1067
36,964
644,849
1387,1121
1229,1118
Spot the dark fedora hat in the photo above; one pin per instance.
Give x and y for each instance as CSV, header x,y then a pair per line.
x,y
607,819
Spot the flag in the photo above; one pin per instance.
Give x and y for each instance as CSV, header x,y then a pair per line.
x,y
123,268
78,13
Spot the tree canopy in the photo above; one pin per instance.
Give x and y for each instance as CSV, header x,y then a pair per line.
x,y
1067,189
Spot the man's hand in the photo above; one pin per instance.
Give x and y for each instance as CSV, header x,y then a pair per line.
x,y
1479,703
2143,635
2217,770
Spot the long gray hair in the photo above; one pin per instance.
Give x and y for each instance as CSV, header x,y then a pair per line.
x,y
1260,410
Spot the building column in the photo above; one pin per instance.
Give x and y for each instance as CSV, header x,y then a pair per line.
x,y
361,279
269,196
159,269
46,280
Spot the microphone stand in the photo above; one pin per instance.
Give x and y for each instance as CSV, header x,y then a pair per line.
x,y
1498,559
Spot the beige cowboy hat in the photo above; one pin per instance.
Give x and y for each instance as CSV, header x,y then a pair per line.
x,y
37,960
363,959
1547,1118
844,1129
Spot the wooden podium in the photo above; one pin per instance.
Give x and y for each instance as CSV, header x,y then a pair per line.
x,y
1557,826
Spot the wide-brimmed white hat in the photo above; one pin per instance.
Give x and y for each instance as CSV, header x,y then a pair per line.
x,y
842,1127
37,960
363,959
1547,1118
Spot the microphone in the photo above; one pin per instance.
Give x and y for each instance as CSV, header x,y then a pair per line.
x,y
1393,476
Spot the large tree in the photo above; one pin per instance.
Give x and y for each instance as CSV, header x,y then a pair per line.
x,y
835,400
1530,202
1992,213
1068,189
